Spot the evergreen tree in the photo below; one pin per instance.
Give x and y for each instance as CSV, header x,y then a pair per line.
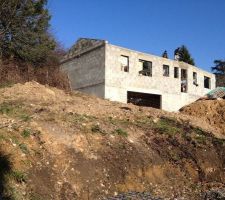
x,y
24,30
185,56
165,55
219,71
219,67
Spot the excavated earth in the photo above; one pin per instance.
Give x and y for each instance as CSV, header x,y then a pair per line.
x,y
210,111
56,145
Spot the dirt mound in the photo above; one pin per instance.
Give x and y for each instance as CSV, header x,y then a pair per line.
x,y
210,111
58,145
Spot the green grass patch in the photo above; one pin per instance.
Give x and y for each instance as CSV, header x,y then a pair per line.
x,y
167,126
111,120
200,139
14,110
2,138
6,108
26,133
19,176
219,141
122,122
23,148
15,140
25,117
12,193
144,121
97,129
120,132
78,118
199,131
200,136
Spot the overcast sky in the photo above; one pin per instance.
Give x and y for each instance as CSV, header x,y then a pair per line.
x,y
150,26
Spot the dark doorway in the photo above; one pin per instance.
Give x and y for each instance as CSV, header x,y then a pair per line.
x,y
144,99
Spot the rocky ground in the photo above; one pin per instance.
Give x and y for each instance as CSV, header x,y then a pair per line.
x,y
57,145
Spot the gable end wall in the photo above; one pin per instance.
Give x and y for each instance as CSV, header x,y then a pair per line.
x,y
87,72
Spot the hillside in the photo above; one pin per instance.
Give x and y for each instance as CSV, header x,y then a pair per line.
x,y
57,145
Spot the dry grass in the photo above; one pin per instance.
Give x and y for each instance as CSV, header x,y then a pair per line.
x,y
11,73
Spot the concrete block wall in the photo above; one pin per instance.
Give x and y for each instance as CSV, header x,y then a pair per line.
x,y
86,72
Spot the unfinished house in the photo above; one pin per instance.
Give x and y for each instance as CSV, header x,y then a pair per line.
x,y
120,74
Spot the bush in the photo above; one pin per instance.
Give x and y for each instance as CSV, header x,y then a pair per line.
x,y
50,74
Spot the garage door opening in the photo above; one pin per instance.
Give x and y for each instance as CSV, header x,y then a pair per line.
x,y
144,99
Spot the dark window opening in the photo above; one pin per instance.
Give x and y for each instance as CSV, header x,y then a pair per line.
x,y
184,80
124,61
166,70
176,72
207,83
146,68
144,99
195,79
183,74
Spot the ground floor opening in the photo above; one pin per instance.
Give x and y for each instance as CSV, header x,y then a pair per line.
x,y
144,99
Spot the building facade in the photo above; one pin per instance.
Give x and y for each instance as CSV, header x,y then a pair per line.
x,y
119,74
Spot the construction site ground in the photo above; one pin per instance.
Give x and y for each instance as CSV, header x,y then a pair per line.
x,y
68,145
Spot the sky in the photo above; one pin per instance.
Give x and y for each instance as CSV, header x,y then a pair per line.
x,y
150,26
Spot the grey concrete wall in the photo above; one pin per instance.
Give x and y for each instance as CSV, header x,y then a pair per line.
x,y
118,82
87,71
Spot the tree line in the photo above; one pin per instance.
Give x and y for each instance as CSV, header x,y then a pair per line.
x,y
218,69
28,51
24,32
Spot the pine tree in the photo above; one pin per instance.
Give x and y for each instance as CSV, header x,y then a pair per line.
x,y
24,30
185,56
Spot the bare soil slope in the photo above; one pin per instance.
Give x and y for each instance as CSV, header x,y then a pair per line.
x,y
56,145
210,111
